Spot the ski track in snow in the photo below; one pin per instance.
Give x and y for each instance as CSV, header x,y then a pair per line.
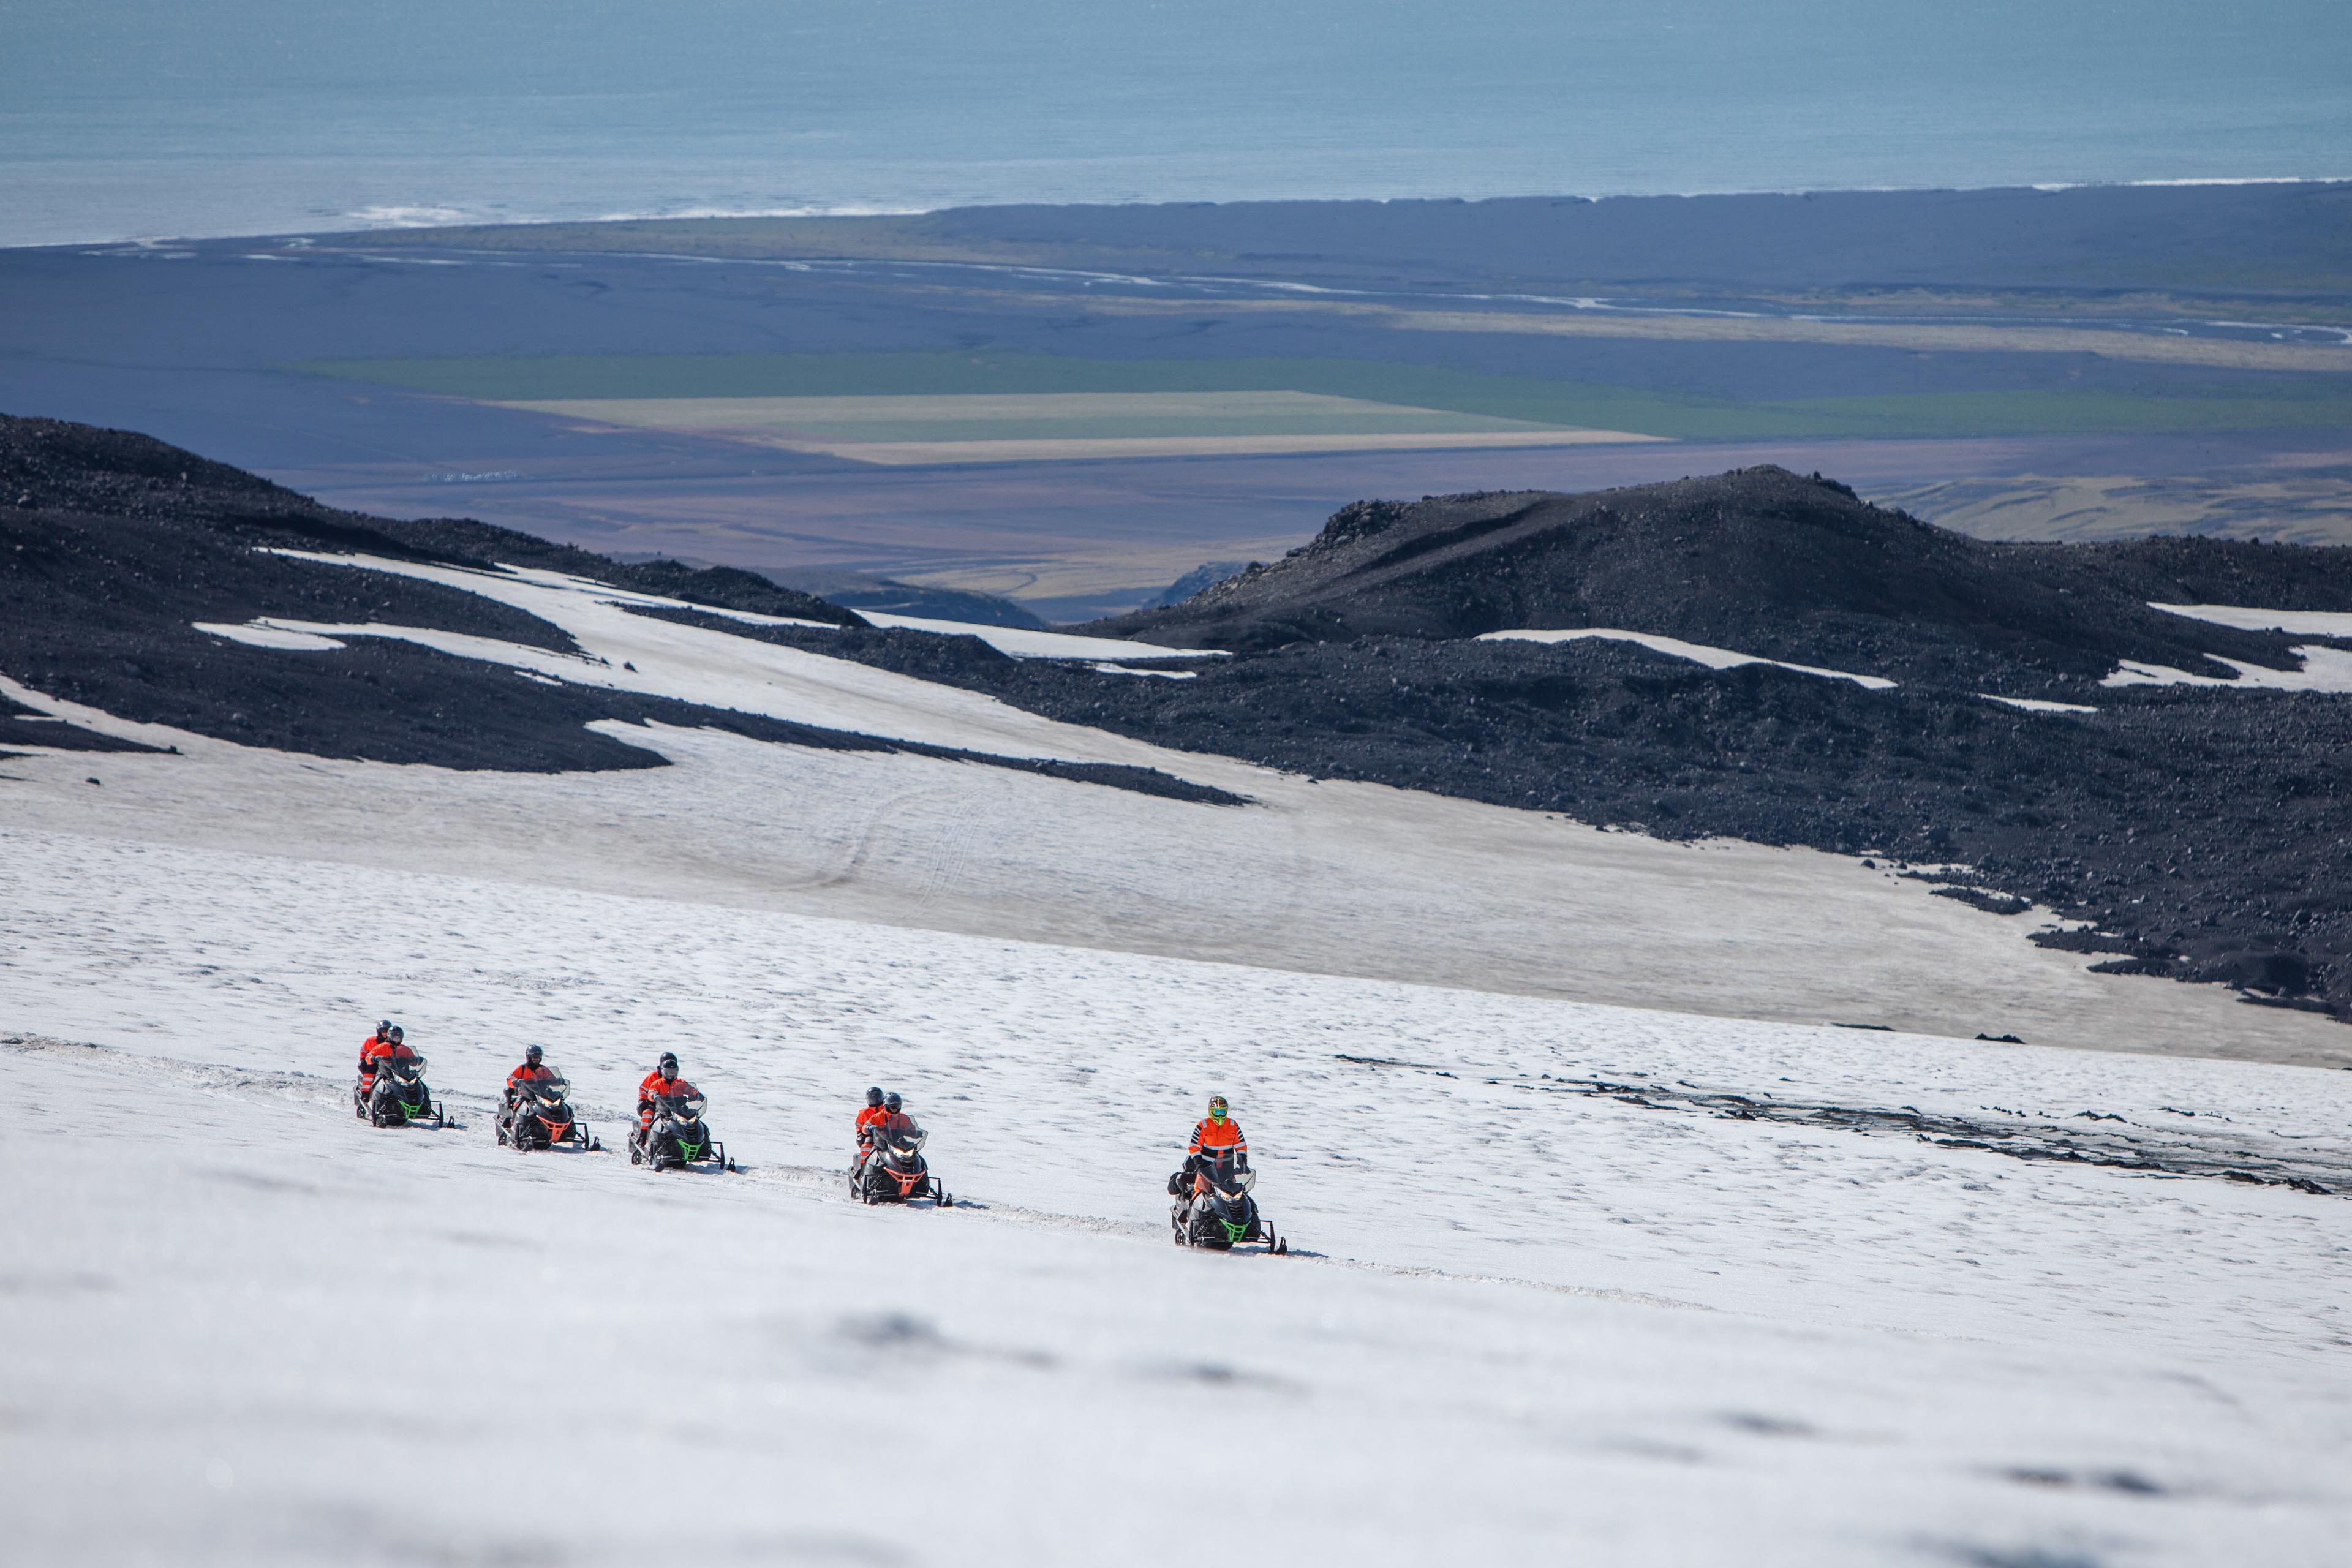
x,y
1910,1351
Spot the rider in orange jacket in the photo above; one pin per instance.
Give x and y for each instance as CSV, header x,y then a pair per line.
x,y
1213,1136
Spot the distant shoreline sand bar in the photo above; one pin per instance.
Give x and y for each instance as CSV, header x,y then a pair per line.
x,y
1056,426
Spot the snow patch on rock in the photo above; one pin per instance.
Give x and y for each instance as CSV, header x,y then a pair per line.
x,y
2295,623
1698,653
2037,704
264,632
2325,669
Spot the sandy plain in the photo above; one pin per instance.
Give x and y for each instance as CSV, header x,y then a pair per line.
x,y
1019,427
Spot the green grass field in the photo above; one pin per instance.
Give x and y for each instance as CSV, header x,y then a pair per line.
x,y
2311,401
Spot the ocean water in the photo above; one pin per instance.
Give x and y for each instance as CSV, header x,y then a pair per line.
x,y
149,117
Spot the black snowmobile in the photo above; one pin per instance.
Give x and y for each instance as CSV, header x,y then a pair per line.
x,y
400,1096
895,1172
677,1139
1214,1207
540,1116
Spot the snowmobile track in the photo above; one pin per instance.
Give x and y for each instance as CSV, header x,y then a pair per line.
x,y
2235,1156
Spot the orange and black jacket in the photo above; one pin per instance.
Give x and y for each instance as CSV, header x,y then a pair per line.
x,y
1218,1136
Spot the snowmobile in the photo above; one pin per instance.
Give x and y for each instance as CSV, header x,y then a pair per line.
x,y
541,1117
400,1096
1217,1210
676,1140
895,1172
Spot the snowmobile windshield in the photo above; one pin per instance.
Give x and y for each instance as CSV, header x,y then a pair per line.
x,y
685,1105
1234,1183
407,1067
907,1144
548,1091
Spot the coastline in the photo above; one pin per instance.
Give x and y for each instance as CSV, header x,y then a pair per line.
x,y
32,190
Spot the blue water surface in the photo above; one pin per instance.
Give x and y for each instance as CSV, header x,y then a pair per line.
x,y
124,118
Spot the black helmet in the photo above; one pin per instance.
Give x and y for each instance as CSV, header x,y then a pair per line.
x,y
383,1027
531,1053
668,1062
890,1101
395,1032
873,1097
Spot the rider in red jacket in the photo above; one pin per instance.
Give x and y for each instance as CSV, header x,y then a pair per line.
x,y
651,1137
663,1079
867,1120
532,1066
374,1050
374,1045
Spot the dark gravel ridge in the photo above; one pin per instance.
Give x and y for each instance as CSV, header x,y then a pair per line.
x,y
51,465
1769,562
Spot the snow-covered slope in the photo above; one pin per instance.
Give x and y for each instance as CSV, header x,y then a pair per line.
x,y
1578,1317
1328,877
1577,1282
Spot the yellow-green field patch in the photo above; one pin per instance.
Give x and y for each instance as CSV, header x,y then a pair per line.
x,y
1029,426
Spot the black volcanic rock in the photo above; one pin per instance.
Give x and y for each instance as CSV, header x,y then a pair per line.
x,y
50,464
1764,562
118,544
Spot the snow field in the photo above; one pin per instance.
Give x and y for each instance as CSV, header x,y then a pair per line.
x,y
1320,876
1656,1337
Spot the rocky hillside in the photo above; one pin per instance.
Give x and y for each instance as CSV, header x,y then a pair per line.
x,y
2203,832
1768,562
112,545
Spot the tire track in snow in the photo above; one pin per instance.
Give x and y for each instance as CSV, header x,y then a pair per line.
x,y
2237,1156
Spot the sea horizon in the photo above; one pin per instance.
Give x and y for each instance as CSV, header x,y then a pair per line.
x,y
125,119
454,213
